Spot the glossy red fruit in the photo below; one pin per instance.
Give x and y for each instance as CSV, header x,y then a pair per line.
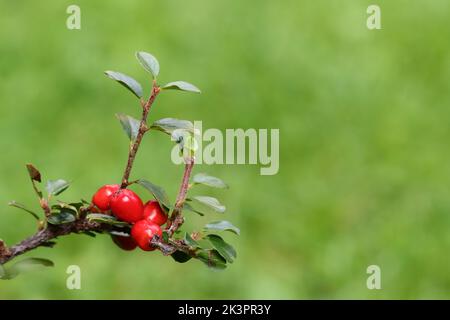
x,y
125,243
154,213
127,206
102,197
143,232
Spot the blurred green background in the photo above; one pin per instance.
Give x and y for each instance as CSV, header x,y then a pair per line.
x,y
363,117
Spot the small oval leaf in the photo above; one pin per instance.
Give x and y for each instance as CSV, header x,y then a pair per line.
x,y
165,236
222,225
189,241
64,216
225,249
56,187
158,192
21,206
130,125
119,233
210,181
209,202
149,62
169,125
127,81
90,234
180,256
182,86
188,207
212,259
26,265
66,206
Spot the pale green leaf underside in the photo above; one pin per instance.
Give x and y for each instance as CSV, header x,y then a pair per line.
x,y
182,86
222,225
127,81
149,62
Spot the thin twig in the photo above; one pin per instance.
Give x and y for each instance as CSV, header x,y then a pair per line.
x,y
176,219
42,237
44,205
142,129
168,248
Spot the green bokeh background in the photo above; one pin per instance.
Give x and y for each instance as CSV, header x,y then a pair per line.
x,y
363,117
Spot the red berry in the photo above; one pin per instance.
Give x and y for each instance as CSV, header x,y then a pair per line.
x,y
143,232
154,213
125,243
103,196
127,206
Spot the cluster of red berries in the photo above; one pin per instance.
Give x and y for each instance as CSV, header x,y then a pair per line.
x,y
126,205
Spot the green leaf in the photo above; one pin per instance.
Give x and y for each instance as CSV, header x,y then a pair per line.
x,y
181,131
225,249
188,207
127,81
107,219
63,205
189,241
33,172
169,125
165,236
158,192
212,259
69,207
2,271
130,125
26,265
180,256
222,226
76,205
209,202
21,206
203,178
90,234
48,244
119,233
66,215
182,86
149,63
56,187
